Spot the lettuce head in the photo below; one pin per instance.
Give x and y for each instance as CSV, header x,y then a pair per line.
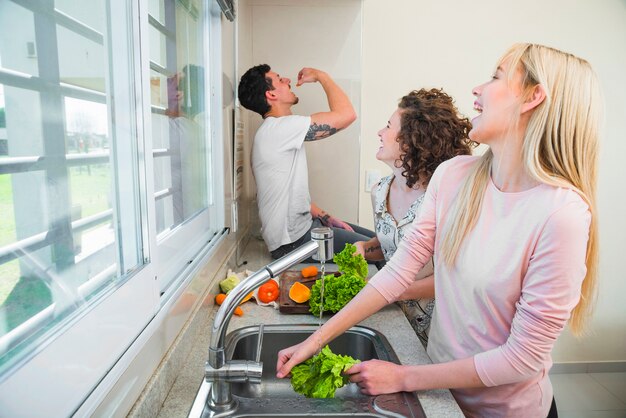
x,y
321,375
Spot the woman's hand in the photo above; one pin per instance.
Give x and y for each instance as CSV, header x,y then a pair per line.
x,y
370,250
375,377
294,355
360,248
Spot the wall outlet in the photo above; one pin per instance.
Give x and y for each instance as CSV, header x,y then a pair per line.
x,y
371,178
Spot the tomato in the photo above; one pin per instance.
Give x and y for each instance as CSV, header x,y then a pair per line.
x,y
268,292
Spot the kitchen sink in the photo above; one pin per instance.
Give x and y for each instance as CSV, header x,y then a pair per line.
x,y
275,397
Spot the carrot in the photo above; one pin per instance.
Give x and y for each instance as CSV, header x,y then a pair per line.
x,y
219,299
238,311
310,271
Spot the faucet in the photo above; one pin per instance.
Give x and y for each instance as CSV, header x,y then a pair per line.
x,y
220,372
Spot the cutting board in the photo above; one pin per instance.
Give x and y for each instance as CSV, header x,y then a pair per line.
x,y
287,279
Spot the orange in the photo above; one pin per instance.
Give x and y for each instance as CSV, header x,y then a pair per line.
x,y
299,293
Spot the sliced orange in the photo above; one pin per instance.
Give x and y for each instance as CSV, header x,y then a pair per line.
x,y
299,293
247,298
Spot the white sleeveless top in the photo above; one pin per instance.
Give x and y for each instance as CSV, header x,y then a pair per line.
x,y
389,233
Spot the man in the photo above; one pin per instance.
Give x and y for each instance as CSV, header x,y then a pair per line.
x,y
279,159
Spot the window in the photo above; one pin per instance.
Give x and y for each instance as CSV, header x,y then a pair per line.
x,y
179,120
108,187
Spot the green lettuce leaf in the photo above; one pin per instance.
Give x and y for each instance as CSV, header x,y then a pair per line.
x,y
321,375
348,263
338,291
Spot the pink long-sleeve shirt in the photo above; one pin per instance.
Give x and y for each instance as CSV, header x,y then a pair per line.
x,y
508,296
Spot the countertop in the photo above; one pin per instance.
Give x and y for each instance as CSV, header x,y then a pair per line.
x,y
390,321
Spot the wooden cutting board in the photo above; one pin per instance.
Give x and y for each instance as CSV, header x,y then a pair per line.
x,y
287,279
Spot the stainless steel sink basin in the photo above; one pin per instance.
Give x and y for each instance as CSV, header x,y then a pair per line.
x,y
275,397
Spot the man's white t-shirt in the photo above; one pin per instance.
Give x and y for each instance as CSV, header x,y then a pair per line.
x,y
281,174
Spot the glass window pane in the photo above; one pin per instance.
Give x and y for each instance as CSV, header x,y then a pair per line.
x,y
18,52
180,168
83,64
82,11
21,107
156,10
157,47
28,214
7,226
69,183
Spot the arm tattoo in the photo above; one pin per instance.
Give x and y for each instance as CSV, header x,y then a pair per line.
x,y
325,218
319,131
372,249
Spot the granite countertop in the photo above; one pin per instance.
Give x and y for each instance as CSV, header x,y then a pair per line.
x,y
390,321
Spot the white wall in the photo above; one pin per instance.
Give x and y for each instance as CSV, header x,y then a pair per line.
x,y
409,44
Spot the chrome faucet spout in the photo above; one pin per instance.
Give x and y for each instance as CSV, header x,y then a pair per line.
x,y
217,369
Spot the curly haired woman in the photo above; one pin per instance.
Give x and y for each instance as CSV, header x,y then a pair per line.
x,y
424,131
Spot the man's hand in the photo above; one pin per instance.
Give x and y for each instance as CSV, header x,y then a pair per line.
x,y
309,75
341,113
329,220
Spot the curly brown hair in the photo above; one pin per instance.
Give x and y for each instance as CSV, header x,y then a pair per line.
x,y
431,132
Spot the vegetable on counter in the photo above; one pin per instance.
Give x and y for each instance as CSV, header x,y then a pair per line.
x,y
247,298
338,291
299,293
309,271
229,283
349,263
321,375
269,291
219,298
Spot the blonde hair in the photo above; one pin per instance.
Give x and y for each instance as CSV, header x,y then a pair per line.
x,y
560,148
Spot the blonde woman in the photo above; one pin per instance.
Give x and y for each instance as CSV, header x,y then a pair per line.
x,y
515,233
